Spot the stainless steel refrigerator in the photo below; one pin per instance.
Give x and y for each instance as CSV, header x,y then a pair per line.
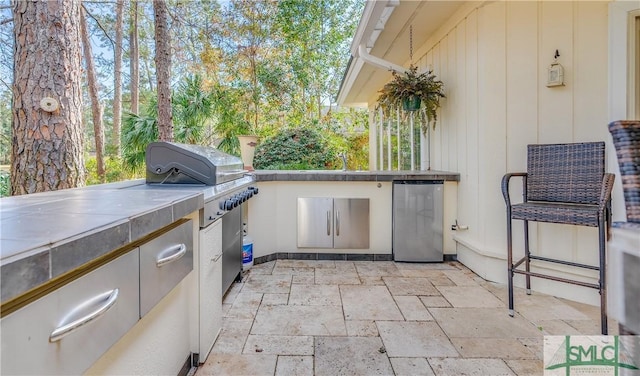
x,y
417,220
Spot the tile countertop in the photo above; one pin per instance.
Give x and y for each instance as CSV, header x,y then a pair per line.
x,y
44,235
339,175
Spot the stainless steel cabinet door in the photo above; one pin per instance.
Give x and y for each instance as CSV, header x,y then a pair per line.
x,y
66,331
164,262
351,223
315,222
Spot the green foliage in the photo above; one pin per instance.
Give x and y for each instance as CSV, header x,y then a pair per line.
x,y
230,121
5,184
295,149
137,132
193,109
410,84
115,171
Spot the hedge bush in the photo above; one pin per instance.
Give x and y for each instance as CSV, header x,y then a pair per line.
x,y
295,149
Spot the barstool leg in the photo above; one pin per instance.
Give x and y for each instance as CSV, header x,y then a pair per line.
x,y
510,263
603,274
526,255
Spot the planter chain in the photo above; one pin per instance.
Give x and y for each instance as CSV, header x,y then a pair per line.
x,y
411,43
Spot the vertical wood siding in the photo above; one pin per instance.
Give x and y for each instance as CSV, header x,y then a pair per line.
x,y
494,62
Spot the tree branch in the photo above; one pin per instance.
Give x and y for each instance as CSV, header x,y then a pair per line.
x,y
99,24
6,21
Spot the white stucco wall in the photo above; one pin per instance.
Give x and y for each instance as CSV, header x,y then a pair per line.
x,y
493,60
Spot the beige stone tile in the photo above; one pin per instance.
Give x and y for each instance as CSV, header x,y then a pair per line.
x,y
436,277
505,348
376,268
273,284
424,266
315,295
279,345
304,279
275,299
232,292
469,296
411,367
293,320
244,306
225,308
592,327
412,308
236,364
264,268
555,328
409,286
292,271
368,303
460,278
336,277
536,307
346,266
361,328
306,263
232,337
469,367
535,345
415,339
371,281
435,302
350,356
483,322
526,367
294,366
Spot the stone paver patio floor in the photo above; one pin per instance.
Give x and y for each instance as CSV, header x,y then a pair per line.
x,y
299,317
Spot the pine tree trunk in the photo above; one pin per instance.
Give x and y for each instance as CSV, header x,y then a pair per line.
x,y
117,77
134,56
96,107
47,149
163,70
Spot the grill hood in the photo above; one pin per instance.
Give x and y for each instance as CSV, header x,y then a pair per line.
x,y
175,163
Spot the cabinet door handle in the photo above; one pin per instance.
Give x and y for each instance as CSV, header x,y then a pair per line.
x,y
109,299
328,223
337,222
176,252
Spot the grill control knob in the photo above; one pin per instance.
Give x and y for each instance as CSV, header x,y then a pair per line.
x,y
228,204
222,205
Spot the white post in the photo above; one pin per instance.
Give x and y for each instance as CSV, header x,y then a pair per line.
x,y
398,136
389,144
411,141
381,143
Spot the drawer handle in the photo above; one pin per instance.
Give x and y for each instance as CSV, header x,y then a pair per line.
x,y
109,299
176,251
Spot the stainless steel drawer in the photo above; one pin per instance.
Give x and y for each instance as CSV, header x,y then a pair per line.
x,y
164,262
69,329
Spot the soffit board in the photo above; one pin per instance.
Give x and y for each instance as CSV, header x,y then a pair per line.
x,y
393,43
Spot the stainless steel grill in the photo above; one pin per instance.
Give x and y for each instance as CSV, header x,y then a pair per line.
x,y
225,185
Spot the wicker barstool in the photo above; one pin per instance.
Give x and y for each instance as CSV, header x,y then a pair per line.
x,y
564,183
626,140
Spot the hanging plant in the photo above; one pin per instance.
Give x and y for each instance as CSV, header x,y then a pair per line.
x,y
413,91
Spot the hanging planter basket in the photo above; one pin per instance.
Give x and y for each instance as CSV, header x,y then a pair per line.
x,y
411,103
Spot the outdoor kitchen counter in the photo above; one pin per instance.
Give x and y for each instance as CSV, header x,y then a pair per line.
x,y
45,235
339,175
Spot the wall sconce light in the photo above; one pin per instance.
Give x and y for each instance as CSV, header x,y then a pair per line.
x,y
555,72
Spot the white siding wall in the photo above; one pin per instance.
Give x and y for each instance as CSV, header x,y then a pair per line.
x,y
493,61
